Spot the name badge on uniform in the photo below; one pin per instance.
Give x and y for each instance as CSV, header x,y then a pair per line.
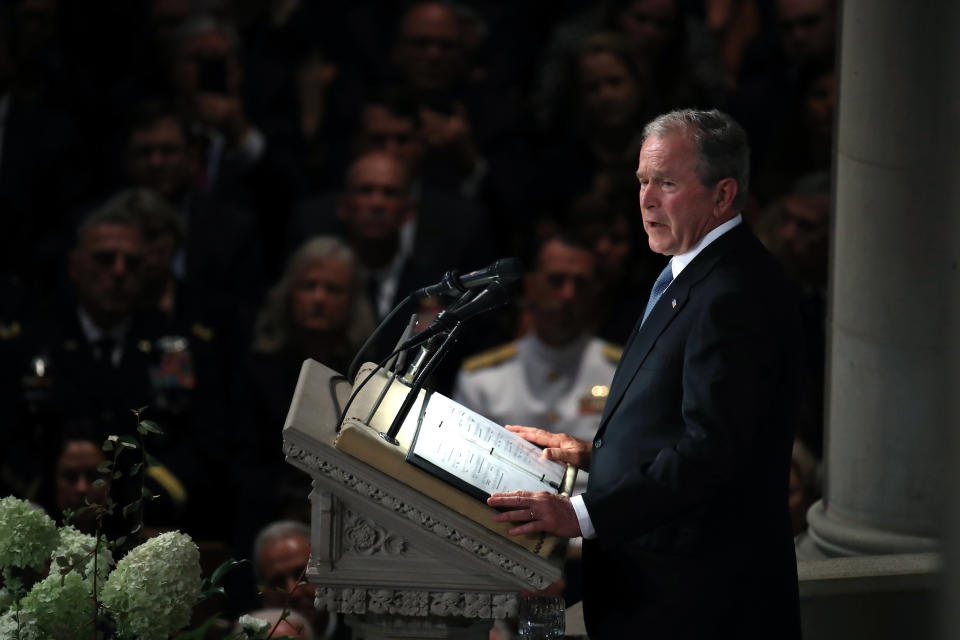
x,y
594,401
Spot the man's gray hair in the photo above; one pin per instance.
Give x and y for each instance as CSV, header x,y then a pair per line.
x,y
115,211
722,147
275,531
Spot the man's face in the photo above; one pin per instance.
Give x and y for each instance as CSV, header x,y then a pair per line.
x,y
282,561
677,208
819,105
610,93
398,136
804,234
376,203
105,269
157,157
559,292
320,300
611,243
429,50
649,24
806,28
76,472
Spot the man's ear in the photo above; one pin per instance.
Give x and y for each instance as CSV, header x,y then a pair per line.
x,y
724,193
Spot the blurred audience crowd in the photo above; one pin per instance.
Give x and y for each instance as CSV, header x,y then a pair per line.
x,y
196,195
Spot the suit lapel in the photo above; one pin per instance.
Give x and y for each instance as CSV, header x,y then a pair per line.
x,y
668,307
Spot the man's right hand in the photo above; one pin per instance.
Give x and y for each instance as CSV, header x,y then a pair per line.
x,y
558,447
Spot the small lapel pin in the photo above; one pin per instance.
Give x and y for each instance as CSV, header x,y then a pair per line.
x,y
673,303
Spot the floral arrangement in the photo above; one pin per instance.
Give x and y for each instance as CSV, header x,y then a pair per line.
x,y
60,583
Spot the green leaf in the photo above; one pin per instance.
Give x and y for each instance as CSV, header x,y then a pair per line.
x,y
151,426
145,492
211,592
151,461
135,468
105,467
135,529
133,507
225,567
99,482
62,560
117,475
129,442
107,445
119,541
141,409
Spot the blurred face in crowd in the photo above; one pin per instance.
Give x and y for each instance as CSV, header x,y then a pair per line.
x,y
803,236
377,201
282,561
321,296
382,130
429,48
610,93
105,270
206,63
819,104
166,16
649,24
611,244
76,473
806,28
157,157
677,208
560,291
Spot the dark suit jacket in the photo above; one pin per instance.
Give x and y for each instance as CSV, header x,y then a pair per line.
x,y
689,474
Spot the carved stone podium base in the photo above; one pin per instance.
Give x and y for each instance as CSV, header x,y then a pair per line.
x,y
407,628
396,562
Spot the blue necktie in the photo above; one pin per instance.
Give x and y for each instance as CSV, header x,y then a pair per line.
x,y
663,281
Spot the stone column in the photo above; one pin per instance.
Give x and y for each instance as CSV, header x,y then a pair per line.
x,y
895,283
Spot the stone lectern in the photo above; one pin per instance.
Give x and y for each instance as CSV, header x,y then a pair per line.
x,y
398,551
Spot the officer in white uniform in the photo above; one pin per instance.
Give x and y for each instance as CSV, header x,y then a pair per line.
x,y
557,376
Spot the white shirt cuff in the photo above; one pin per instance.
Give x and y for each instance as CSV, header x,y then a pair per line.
x,y
586,526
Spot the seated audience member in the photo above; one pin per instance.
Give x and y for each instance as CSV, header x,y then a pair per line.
x,y
802,146
280,555
219,252
100,355
236,162
797,231
609,105
316,310
376,208
293,625
76,471
448,230
557,376
626,267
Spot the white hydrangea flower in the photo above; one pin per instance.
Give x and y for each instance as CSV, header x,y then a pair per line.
x,y
27,535
254,627
59,605
78,548
28,627
152,591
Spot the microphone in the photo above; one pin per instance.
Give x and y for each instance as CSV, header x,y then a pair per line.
x,y
504,270
493,296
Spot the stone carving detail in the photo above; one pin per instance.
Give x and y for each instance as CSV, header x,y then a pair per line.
x,y
378,495
366,538
416,603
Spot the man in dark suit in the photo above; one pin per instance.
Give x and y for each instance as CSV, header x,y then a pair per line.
x,y
685,521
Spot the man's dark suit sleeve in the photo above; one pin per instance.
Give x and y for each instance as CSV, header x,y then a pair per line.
x,y
724,379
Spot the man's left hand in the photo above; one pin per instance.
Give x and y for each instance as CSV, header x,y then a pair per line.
x,y
539,510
